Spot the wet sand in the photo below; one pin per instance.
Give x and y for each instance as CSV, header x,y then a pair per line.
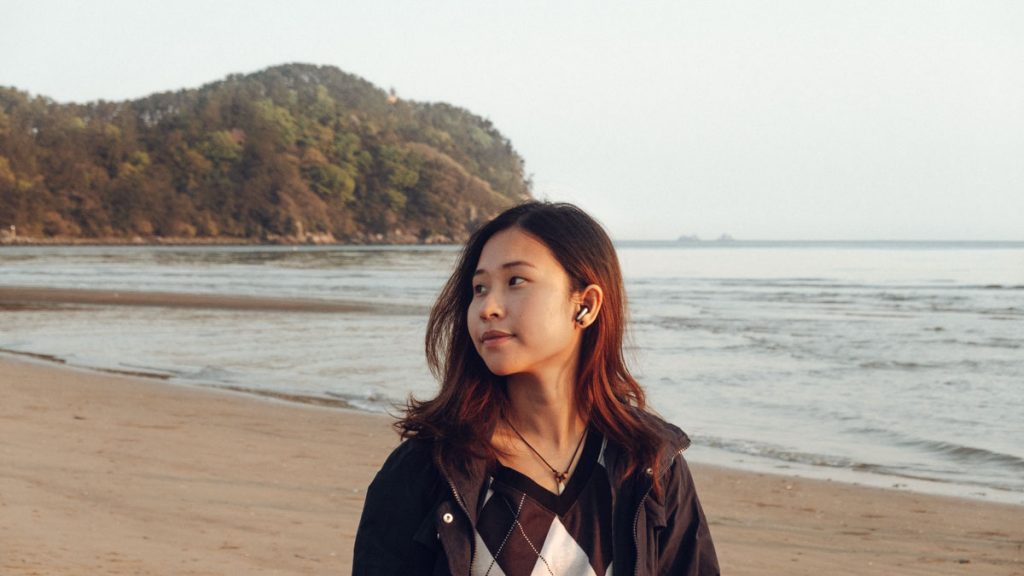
x,y
112,474
13,297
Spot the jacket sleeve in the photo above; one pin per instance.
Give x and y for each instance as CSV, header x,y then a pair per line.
x,y
396,510
685,542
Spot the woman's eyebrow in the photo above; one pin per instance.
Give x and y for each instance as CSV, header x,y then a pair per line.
x,y
506,265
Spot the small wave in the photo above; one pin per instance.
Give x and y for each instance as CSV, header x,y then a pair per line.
x,y
965,459
960,454
130,372
968,455
964,481
893,365
290,397
210,374
823,298
1005,343
890,297
1001,287
36,355
372,402
989,483
776,452
996,342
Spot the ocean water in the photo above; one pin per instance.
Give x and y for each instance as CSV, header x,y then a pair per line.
x,y
885,363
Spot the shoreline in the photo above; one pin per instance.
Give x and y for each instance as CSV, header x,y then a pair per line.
x,y
8,240
128,475
149,241
894,483
13,297
712,457
297,399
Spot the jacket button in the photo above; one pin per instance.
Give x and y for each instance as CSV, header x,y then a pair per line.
x,y
447,518
649,472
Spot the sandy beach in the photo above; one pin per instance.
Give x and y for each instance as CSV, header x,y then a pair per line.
x,y
110,474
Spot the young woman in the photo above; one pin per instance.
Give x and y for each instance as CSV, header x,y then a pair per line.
x,y
538,455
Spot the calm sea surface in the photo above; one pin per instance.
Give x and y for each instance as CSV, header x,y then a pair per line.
x,y
894,364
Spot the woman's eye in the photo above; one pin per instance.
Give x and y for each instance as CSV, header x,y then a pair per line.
x,y
516,280
479,289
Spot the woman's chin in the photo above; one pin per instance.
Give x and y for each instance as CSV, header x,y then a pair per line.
x,y
500,370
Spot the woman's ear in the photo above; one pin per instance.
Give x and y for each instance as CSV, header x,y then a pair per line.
x,y
590,300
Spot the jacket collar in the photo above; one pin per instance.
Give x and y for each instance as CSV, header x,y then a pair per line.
x,y
467,482
675,441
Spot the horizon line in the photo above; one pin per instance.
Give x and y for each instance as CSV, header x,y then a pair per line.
x,y
822,240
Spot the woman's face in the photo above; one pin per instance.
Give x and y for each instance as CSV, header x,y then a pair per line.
x,y
521,318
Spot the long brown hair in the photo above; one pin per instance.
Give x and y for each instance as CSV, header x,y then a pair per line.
x,y
472,399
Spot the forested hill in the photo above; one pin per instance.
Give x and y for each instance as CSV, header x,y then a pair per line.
x,y
293,153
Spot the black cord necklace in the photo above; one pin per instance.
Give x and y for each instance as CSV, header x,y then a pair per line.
x,y
560,477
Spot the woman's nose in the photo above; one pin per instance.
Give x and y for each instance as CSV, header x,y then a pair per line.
x,y
491,307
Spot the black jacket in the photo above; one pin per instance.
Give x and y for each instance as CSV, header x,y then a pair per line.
x,y
419,516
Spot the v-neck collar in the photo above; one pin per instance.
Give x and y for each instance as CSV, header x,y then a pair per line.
x,y
556,503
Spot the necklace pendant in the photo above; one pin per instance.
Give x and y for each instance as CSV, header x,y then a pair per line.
x,y
560,481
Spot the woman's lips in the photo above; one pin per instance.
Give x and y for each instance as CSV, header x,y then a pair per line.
x,y
493,338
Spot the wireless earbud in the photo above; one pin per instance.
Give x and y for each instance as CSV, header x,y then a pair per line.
x,y
583,312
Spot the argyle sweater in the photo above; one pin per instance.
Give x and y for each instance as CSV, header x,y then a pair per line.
x,y
524,529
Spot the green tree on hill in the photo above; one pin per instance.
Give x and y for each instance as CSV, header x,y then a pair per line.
x,y
289,153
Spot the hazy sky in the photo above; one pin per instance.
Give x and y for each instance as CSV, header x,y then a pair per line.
x,y
766,120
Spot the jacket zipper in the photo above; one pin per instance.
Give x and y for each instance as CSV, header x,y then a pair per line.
x,y
636,539
458,500
636,520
